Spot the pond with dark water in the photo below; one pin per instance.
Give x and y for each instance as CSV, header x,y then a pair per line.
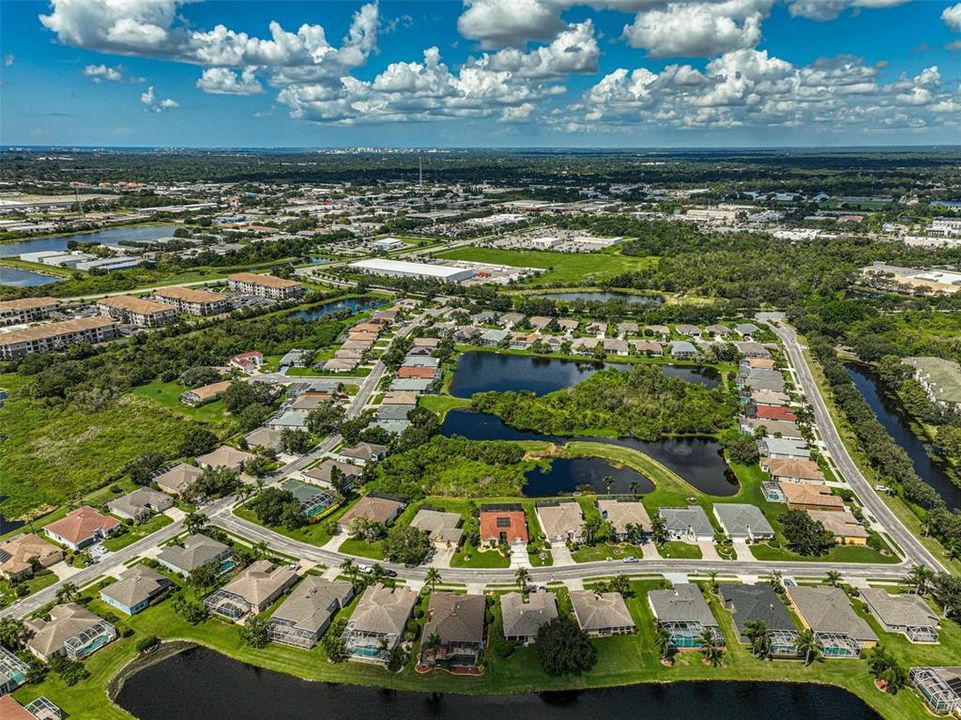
x,y
200,684
700,461
584,474
347,306
111,237
479,371
18,277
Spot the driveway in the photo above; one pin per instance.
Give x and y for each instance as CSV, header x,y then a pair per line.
x,y
742,550
561,555
442,557
708,551
519,556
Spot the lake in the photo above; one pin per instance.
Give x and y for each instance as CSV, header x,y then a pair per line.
x,y
478,371
349,306
698,460
567,475
111,237
892,418
603,297
17,277
199,684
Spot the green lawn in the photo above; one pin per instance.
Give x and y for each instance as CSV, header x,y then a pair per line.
x,y
134,533
673,550
605,551
40,580
440,404
167,394
363,548
469,557
569,268
839,553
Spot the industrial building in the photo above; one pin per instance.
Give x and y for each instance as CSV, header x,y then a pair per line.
x,y
403,268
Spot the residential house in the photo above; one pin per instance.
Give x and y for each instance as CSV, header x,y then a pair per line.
x,y
742,521
769,397
807,496
796,470
688,330
379,619
306,613
374,508
253,590
826,611
759,603
539,322
903,613
761,363
82,527
567,325
40,708
658,330
746,330
178,478
421,373
509,320
267,438
685,614
205,394
601,614
135,589
647,347
682,350
770,412
361,453
458,623
140,504
621,513
225,457
561,521
194,551
774,428
503,524
842,525
584,346
687,524
775,448
718,330
627,328
72,631
939,686
249,362
597,327
752,350
442,527
19,554
492,338
288,420
523,340
13,674
616,346
523,618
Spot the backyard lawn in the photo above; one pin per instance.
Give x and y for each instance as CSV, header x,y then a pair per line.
x,y
133,533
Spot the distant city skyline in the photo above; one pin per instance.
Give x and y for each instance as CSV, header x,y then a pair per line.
x,y
482,73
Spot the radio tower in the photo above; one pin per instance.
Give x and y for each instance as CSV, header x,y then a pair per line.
x,y
76,192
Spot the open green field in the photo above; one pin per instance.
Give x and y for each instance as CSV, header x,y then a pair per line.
x,y
167,394
621,660
569,268
53,456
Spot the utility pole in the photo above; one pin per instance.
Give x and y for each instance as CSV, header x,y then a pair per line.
x,y
76,192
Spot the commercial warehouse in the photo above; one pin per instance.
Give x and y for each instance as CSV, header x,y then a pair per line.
x,y
402,268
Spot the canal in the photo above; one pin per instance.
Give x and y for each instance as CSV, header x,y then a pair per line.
x,y
199,684
894,421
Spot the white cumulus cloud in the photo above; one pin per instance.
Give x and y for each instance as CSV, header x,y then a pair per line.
x,y
224,81
155,104
952,17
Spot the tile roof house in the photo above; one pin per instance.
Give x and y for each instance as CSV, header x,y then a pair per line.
x,y
684,612
682,349
72,630
302,618
206,393
622,512
458,622
772,448
374,508
522,619
827,611
178,478
252,590
601,614
140,504
361,453
806,496
842,525
82,527
688,524
321,472
380,615
793,469
503,523
137,587
742,521
196,550
225,457
17,553
756,602
561,521
903,613
774,412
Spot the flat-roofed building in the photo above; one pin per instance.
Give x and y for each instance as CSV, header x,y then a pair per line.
x,y
132,310
601,614
302,618
18,344
404,268
378,622
523,618
266,286
903,613
26,310
193,301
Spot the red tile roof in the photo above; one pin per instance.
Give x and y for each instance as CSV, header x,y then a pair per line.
x,y
80,524
775,412
511,522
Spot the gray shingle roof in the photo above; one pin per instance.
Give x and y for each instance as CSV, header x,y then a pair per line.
x,y
197,550
456,618
383,610
738,519
599,611
755,602
900,610
136,585
827,609
313,601
682,603
524,619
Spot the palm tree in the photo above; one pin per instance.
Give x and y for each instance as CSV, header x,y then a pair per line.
x,y
13,633
833,577
662,638
712,652
195,521
609,483
378,573
350,569
432,578
919,578
68,592
808,646
433,644
712,582
756,632
260,550
522,576
635,486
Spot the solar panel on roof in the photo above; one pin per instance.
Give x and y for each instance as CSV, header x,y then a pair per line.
x,y
503,522
955,685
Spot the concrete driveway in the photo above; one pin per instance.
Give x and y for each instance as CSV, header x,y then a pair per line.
x,y
708,551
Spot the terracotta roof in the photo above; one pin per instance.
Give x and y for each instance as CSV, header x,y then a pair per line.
x,y
793,468
135,304
190,295
28,303
39,332
512,522
775,412
208,392
808,494
266,280
81,524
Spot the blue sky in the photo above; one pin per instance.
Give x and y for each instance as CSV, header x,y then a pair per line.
x,y
619,73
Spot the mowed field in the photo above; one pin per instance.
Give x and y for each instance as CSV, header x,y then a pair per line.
x,y
52,455
563,268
